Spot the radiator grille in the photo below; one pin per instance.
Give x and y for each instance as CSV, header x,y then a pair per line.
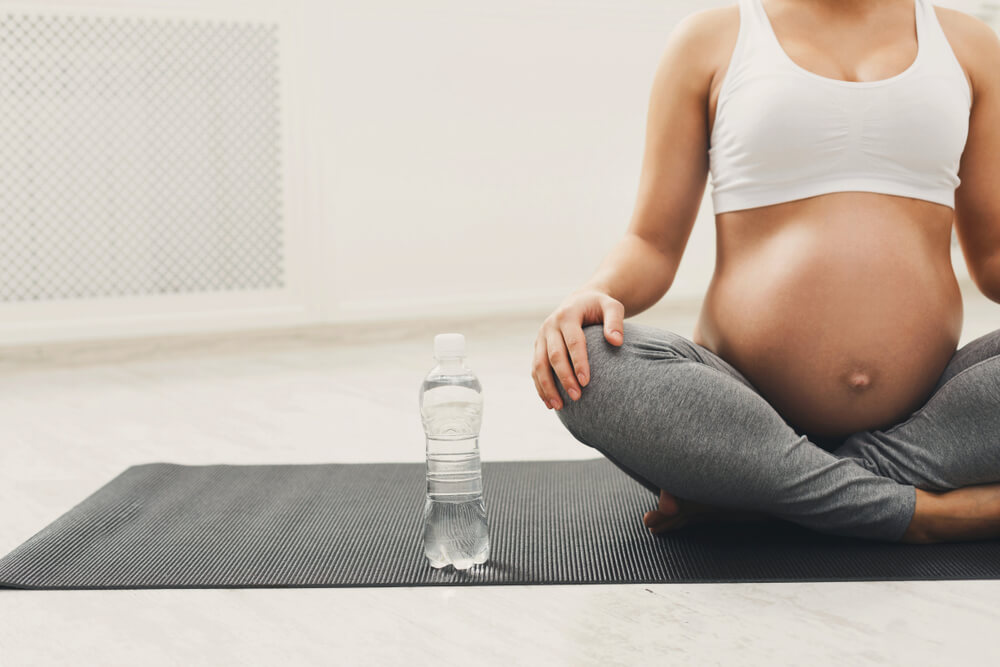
x,y
138,157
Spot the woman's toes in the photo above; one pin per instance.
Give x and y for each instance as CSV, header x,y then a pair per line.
x,y
657,522
668,505
653,519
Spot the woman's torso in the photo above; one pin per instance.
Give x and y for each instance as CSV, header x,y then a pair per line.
x,y
842,309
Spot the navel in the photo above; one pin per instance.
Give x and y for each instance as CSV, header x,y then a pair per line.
x,y
858,380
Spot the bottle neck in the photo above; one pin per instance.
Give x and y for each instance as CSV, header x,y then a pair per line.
x,y
450,364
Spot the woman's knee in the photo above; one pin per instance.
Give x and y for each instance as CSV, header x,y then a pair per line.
x,y
599,359
610,368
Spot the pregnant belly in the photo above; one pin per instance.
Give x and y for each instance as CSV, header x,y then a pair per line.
x,y
838,336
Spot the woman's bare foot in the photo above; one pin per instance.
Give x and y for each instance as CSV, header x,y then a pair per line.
x,y
673,512
968,513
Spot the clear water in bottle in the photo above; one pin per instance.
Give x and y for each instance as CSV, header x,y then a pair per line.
x,y
456,530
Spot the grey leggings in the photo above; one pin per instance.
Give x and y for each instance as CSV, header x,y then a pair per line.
x,y
674,415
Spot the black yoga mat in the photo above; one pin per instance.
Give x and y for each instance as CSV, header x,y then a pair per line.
x,y
162,525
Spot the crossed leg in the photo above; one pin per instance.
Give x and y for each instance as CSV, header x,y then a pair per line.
x,y
675,416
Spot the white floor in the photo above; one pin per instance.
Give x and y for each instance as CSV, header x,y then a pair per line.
x,y
74,416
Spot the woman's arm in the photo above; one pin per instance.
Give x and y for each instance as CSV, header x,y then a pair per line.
x,y
977,199
639,270
641,267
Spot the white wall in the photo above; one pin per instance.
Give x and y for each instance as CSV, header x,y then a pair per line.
x,y
445,157
485,154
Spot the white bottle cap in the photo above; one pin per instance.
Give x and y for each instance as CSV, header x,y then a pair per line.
x,y
449,345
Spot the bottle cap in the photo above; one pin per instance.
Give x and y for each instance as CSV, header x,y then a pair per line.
x,y
449,345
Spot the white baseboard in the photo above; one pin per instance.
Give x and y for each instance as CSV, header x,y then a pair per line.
x,y
138,321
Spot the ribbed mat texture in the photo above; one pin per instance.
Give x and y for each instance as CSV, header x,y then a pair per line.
x,y
162,525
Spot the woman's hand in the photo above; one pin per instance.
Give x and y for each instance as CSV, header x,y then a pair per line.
x,y
562,347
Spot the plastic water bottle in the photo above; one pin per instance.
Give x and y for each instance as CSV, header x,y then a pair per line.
x,y
456,531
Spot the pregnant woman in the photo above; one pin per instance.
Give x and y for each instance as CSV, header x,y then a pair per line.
x,y
822,384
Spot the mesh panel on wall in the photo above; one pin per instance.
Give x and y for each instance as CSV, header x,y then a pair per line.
x,y
138,157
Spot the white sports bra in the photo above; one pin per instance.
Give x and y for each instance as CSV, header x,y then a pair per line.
x,y
782,132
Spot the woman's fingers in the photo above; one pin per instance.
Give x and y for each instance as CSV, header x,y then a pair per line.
x,y
576,344
560,361
561,345
614,318
541,372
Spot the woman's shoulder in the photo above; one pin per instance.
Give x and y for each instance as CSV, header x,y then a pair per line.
x,y
706,39
704,28
974,42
